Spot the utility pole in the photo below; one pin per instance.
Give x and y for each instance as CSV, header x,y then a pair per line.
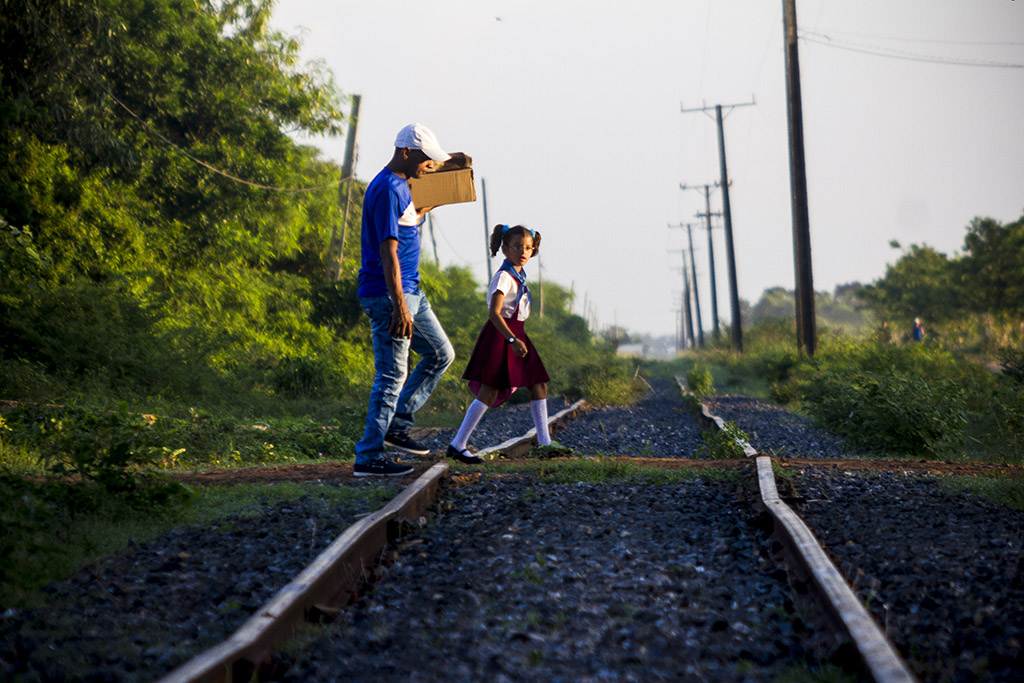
x,y
716,332
805,319
487,231
730,252
693,276
696,296
347,178
686,311
433,238
540,279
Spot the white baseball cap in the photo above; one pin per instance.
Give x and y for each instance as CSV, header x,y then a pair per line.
x,y
418,136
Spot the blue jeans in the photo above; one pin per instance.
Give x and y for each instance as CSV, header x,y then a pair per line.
x,y
396,394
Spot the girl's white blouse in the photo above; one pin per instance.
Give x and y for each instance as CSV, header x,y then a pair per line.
x,y
507,285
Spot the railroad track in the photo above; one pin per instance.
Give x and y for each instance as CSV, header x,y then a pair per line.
x,y
668,561
519,577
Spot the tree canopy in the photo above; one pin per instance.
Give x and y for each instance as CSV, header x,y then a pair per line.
x,y
987,278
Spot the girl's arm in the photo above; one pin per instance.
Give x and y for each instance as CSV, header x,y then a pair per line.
x,y
494,315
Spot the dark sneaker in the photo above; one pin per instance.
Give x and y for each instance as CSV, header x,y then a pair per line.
x,y
405,443
381,467
463,456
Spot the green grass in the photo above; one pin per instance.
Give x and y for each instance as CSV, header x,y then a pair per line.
x,y
68,530
1008,491
604,470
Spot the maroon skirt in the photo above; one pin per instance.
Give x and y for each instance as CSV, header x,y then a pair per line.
x,y
493,363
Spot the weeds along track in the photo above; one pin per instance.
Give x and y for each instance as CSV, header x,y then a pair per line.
x,y
521,576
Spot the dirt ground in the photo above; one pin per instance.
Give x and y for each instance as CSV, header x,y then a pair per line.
x,y
342,471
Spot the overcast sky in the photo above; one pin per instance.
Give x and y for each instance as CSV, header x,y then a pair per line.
x,y
571,110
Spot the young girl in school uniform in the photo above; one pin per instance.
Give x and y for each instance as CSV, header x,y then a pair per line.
x,y
504,358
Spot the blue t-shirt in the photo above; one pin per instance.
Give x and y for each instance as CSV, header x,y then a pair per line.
x,y
387,200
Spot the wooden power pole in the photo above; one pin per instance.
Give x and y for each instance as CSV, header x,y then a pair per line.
x,y
805,319
730,252
347,178
487,231
693,279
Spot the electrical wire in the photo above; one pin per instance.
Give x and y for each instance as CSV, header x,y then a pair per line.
x,y
879,51
832,32
437,225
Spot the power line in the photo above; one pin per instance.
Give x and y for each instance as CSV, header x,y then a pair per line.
x,y
880,51
831,32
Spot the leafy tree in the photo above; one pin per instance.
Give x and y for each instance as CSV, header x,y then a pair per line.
x,y
923,283
993,269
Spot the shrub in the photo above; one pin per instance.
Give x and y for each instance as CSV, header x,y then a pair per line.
x,y
699,380
604,384
889,411
723,444
1011,360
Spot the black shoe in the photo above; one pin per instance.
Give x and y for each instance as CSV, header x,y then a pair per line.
x,y
404,442
381,467
463,456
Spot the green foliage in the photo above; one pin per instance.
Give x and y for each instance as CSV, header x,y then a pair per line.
x,y
549,451
909,399
921,284
110,449
889,412
981,288
1008,491
699,380
724,444
1011,361
602,384
116,448
774,313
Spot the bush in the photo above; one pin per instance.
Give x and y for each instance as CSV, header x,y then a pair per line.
x,y
889,411
604,384
1011,360
699,380
108,448
723,444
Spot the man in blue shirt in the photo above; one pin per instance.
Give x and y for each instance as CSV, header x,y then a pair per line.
x,y
400,316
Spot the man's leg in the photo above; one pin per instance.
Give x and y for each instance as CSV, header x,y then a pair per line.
x,y
390,362
436,354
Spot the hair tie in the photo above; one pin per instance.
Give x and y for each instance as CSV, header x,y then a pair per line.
x,y
506,228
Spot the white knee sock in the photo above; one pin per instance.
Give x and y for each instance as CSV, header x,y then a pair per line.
x,y
475,411
539,410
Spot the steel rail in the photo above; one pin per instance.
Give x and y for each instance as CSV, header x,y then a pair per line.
x,y
520,445
328,582
841,605
324,585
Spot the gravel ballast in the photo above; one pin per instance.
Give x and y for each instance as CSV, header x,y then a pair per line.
x,y
141,613
943,573
521,580
517,579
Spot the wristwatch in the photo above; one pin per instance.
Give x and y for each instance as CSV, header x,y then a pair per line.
x,y
512,340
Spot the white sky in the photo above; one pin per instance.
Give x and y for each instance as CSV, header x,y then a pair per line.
x,y
571,112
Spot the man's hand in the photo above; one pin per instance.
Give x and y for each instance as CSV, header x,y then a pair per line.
x,y
401,320
420,213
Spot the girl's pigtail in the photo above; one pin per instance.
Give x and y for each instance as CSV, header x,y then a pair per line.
x,y
496,237
536,242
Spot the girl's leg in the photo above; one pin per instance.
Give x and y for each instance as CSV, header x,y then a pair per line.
x,y
476,410
539,411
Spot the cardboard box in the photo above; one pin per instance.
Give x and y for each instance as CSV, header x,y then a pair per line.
x,y
443,187
452,183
